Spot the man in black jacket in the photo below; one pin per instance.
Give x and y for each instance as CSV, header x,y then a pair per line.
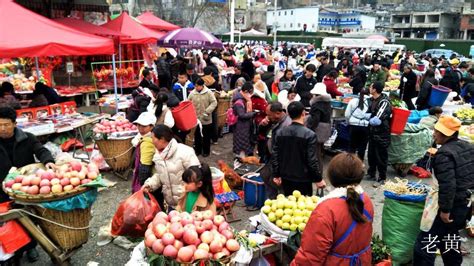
x,y
238,74
305,84
295,163
17,149
379,115
163,69
453,167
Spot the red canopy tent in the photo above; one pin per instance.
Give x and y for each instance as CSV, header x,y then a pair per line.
x,y
153,22
33,35
90,28
136,33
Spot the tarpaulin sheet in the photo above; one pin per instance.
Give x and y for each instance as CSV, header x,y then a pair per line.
x,y
409,146
153,22
24,33
136,33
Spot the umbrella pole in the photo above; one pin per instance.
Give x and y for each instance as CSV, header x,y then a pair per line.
x,y
115,83
37,69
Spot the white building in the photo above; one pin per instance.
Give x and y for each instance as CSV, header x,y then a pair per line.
x,y
367,23
294,19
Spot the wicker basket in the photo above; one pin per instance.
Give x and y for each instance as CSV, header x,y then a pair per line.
x,y
66,238
190,138
222,105
40,198
117,152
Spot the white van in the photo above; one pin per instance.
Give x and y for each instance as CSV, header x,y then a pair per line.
x,y
391,48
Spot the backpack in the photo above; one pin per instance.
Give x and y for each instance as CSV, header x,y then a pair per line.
x,y
231,117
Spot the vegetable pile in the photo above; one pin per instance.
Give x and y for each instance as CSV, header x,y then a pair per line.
x,y
403,187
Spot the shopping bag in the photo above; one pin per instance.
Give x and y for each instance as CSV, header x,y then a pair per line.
x,y
134,214
431,208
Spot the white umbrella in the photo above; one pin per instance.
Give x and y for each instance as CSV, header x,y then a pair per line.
x,y
253,32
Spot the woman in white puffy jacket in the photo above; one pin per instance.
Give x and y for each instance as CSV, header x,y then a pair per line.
x,y
358,125
171,159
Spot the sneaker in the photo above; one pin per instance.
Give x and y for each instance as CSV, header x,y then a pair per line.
x,y
32,255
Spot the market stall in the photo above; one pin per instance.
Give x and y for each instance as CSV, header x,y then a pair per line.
x,y
151,21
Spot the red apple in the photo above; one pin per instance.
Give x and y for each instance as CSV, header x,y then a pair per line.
x,y
33,190
65,182
45,190
45,182
76,166
9,183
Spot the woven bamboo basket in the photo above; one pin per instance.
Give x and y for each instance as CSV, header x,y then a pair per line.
x,y
222,105
40,198
66,238
117,152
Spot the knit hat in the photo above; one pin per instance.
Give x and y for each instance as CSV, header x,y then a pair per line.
x,y
448,125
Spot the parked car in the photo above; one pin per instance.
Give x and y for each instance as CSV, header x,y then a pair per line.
x,y
439,52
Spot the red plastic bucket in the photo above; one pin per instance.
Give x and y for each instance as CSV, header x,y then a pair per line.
x,y
399,120
421,67
184,116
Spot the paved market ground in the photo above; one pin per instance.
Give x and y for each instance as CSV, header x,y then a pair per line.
x,y
108,200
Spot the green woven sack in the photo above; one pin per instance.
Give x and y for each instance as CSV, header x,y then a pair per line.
x,y
400,228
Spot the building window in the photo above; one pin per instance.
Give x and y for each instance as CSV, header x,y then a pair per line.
x,y
299,25
471,21
285,13
313,26
279,13
291,25
291,12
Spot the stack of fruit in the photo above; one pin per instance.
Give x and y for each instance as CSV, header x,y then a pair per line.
x,y
465,114
392,85
191,237
67,177
291,213
107,129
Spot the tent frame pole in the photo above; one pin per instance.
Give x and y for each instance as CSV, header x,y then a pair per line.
x,y
37,69
115,84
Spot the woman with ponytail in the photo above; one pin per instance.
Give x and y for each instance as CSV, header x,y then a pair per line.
x,y
199,194
339,230
160,109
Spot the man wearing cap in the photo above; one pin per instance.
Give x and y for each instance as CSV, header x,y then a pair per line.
x,y
453,167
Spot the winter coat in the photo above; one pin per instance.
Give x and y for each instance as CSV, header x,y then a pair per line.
x,y
408,89
140,103
294,157
286,84
166,117
331,87
204,103
355,115
346,69
451,80
248,68
39,101
357,83
429,121
374,76
259,104
10,101
326,225
52,96
320,111
243,128
210,82
303,87
268,78
425,93
182,91
323,70
201,204
454,169
26,146
163,68
170,165
146,83
382,108
143,159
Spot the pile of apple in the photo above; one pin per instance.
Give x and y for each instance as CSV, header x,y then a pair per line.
x,y
66,177
189,237
107,127
291,213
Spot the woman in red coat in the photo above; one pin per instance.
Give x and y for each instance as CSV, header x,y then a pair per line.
x,y
339,230
259,105
331,87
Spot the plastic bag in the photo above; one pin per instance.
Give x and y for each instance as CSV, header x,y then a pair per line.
x,y
98,159
134,214
401,236
12,235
